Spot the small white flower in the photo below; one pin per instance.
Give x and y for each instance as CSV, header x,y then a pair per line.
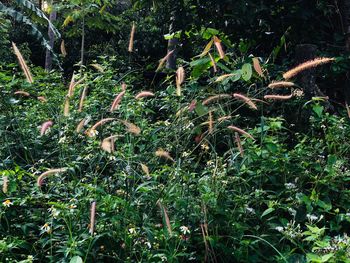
x,y
185,230
7,203
148,244
292,211
132,230
112,158
93,133
279,229
185,154
312,218
46,228
210,163
54,212
250,210
290,186
62,139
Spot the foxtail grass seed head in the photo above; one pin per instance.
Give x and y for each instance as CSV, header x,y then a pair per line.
x,y
22,93
243,132
144,94
66,107
131,40
281,84
217,43
72,86
92,131
246,100
42,98
257,67
192,105
166,217
181,111
216,98
22,63
132,128
41,178
45,126
207,48
223,77
5,182
210,123
80,126
92,217
180,78
98,67
224,118
108,145
164,154
82,98
278,97
163,60
239,144
123,87
63,49
347,109
145,169
117,100
306,65
213,62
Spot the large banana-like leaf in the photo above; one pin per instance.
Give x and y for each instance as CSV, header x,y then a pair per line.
x,y
19,17
40,14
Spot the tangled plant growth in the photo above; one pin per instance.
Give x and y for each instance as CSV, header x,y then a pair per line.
x,y
191,169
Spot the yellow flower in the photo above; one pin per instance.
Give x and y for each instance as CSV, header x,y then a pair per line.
x,y
7,203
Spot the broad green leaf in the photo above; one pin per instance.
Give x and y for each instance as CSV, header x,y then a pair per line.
x,y
76,259
247,71
318,109
201,110
268,211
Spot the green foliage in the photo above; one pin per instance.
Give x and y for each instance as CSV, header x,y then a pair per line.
x,y
34,30
186,187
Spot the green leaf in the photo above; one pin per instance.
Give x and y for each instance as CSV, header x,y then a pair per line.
x,y
272,147
76,259
313,258
318,109
268,211
201,110
247,71
176,34
327,257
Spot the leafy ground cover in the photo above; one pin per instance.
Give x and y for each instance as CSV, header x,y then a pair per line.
x,y
94,171
223,159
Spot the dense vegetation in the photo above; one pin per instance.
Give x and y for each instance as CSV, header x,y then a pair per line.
x,y
154,131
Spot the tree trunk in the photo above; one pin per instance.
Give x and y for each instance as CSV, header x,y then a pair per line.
x,y
307,78
345,13
175,25
48,58
82,50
